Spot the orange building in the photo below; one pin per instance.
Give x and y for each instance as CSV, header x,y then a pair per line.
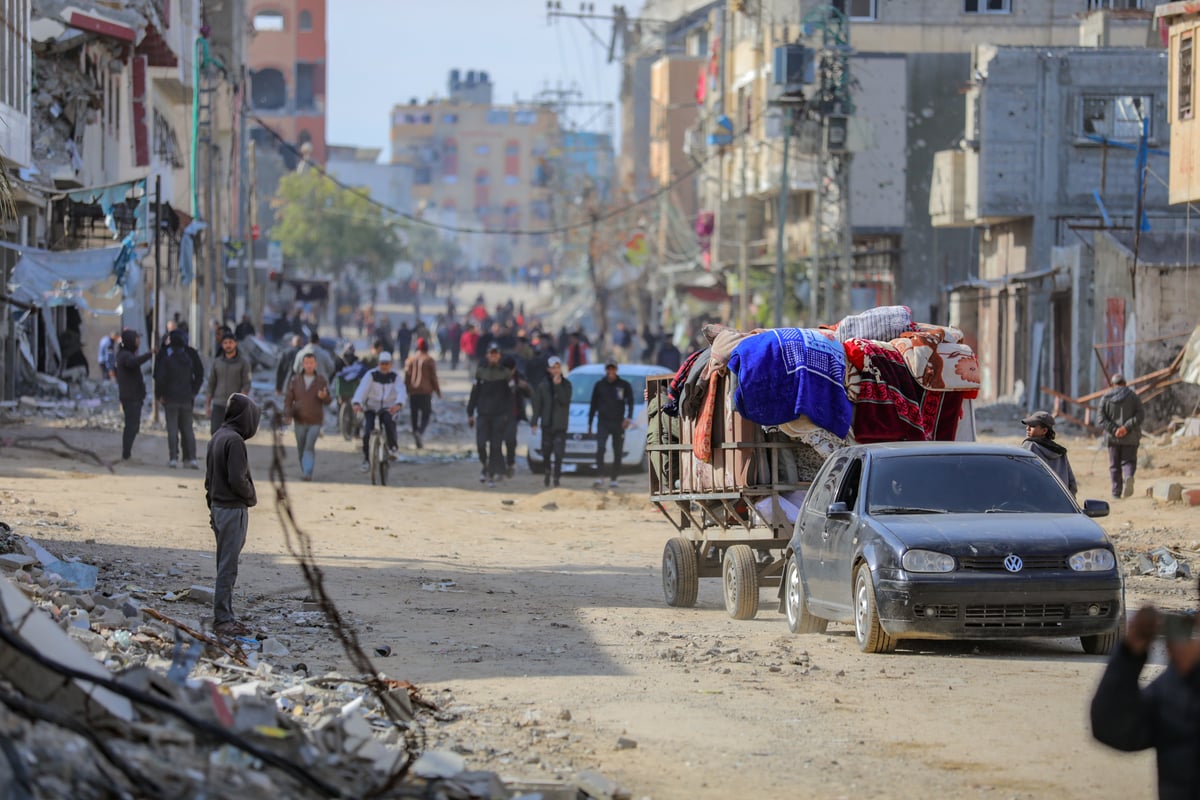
x,y
286,60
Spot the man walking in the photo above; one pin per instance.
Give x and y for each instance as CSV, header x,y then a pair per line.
x,y
520,389
382,395
229,374
421,381
178,376
612,402
404,338
325,365
1121,415
287,359
131,388
552,410
304,405
492,396
229,492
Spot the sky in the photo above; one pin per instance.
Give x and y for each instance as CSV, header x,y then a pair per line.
x,y
384,52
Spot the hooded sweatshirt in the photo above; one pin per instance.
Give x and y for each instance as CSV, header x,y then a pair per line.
x,y
178,373
227,480
1121,406
1055,456
131,386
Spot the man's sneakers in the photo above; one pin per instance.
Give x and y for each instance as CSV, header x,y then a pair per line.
x,y
193,464
393,455
599,482
173,463
612,484
364,466
483,476
491,484
1128,487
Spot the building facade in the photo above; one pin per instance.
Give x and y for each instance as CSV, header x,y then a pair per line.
x,y
1182,21
286,58
481,166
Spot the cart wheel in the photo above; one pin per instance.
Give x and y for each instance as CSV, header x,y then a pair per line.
x,y
680,581
741,582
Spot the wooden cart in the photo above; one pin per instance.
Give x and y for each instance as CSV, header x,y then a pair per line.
x,y
731,512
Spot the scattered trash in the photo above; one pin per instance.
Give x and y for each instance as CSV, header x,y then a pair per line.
x,y
383,651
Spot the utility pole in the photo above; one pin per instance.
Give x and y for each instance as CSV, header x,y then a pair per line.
x,y
814,280
154,318
244,199
743,252
784,190
255,309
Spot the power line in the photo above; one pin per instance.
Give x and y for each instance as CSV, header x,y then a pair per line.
x,y
603,217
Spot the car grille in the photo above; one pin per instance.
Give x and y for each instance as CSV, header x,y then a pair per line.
x,y
996,563
1034,615
935,612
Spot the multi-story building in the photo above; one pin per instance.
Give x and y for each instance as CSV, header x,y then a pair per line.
x,y
286,58
15,153
478,165
1183,31
1049,155
908,61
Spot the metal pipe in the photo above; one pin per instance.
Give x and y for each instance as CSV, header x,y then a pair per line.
x,y
784,190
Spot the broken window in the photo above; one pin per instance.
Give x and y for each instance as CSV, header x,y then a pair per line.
x,y
1184,81
987,6
268,90
305,21
306,86
268,21
1115,116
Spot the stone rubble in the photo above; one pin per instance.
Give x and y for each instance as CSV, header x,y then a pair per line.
x,y
331,724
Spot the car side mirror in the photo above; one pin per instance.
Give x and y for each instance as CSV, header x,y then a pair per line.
x,y
1095,508
839,510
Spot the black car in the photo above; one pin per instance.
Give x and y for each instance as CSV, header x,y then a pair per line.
x,y
950,540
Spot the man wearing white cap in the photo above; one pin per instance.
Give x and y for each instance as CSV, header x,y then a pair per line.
x,y
380,394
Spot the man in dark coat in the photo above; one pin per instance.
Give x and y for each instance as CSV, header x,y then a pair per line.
x,y
178,376
552,410
131,388
491,395
1165,714
1121,416
229,492
287,360
612,403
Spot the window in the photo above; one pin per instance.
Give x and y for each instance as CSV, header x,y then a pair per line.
x,y
449,160
512,159
482,149
822,494
524,117
856,9
268,90
305,22
268,21
306,77
497,116
422,176
482,181
1115,117
987,6
449,119
1186,70
1118,5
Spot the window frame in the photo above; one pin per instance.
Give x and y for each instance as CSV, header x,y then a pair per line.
x,y
269,12
871,16
1186,78
981,7
1110,118
304,22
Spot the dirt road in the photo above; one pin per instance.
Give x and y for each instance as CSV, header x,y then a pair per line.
x,y
536,618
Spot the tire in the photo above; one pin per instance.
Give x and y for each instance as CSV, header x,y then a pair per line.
x,y
681,581
1101,644
798,618
346,421
379,464
740,579
871,636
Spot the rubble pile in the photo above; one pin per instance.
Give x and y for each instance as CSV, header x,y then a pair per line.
x,y
103,695
1161,562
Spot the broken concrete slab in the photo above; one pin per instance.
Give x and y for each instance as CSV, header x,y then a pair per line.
x,y
201,594
15,561
1168,491
82,575
41,683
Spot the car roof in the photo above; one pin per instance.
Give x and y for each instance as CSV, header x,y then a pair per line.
x,y
895,449
627,369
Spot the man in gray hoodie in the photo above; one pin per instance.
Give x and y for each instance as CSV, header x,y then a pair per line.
x,y
229,374
1121,414
229,492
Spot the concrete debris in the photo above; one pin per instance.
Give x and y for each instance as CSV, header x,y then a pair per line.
x,y
330,726
1163,563
1168,490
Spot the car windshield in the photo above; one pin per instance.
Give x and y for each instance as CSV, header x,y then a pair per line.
x,y
582,383
970,483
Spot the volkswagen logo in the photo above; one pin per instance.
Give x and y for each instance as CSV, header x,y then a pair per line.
x,y
1013,563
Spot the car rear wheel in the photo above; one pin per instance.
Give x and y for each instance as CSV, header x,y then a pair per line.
x,y
741,582
681,581
798,617
871,636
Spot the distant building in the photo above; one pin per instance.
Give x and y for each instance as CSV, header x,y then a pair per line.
x,y
587,160
482,166
389,184
286,59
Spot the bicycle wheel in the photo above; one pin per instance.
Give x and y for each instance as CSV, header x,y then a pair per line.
x,y
376,454
346,421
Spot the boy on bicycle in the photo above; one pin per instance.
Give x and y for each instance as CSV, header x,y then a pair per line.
x,y
380,394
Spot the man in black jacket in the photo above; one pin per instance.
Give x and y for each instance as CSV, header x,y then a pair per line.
x,y
229,492
492,397
178,376
1166,714
612,402
131,388
1121,415
552,409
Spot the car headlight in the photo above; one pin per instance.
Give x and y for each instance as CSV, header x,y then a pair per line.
x,y
927,561
1097,560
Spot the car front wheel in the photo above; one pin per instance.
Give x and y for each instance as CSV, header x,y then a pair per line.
x,y
798,617
871,636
